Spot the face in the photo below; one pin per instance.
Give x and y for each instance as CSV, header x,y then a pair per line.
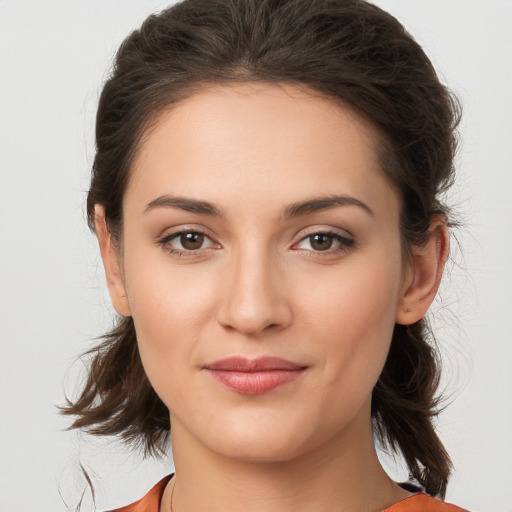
x,y
262,265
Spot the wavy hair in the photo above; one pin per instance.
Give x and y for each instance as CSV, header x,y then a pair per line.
x,y
347,50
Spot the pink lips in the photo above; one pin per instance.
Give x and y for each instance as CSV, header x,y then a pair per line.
x,y
254,376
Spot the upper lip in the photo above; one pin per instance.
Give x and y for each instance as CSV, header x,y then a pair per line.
x,y
260,364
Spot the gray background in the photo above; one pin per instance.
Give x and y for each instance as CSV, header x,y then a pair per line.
x,y
54,56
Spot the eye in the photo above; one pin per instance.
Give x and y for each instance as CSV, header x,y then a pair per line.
x,y
186,242
325,241
190,241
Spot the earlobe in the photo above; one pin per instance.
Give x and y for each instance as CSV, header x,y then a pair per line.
x,y
425,274
111,263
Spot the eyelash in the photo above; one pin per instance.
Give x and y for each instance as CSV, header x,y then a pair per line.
x,y
166,239
345,243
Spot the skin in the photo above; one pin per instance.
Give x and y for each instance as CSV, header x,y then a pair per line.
x,y
258,286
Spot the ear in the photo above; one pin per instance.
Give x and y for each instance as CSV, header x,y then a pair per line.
x,y
424,274
111,263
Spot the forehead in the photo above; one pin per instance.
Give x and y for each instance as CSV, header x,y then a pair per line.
x,y
258,140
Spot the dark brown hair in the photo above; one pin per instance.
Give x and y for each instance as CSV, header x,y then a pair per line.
x,y
347,50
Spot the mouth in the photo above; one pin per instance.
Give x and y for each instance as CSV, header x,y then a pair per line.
x,y
254,376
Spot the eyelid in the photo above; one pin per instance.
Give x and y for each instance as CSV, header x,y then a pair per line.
x,y
184,228
319,228
170,234
346,240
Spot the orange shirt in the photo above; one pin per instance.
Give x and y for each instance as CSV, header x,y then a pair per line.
x,y
417,503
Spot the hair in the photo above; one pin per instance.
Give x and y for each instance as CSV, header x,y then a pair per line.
x,y
347,50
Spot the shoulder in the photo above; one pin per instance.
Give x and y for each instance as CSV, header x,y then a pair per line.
x,y
423,503
150,502
417,503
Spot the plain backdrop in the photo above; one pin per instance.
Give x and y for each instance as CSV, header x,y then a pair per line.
x,y
54,56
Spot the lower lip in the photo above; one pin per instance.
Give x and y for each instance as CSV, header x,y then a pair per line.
x,y
255,383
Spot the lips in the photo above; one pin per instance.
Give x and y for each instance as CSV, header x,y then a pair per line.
x,y
254,376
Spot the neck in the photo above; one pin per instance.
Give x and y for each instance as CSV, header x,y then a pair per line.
x,y
342,475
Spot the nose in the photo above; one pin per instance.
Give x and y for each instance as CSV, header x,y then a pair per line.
x,y
254,298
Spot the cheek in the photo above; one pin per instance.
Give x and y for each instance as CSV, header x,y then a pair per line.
x,y
343,323
354,319
169,308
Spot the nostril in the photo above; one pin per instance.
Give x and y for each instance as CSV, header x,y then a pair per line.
x,y
252,301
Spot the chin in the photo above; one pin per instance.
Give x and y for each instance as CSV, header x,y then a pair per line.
x,y
264,449
262,440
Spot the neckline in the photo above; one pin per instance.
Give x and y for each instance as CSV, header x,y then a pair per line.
x,y
151,502
159,488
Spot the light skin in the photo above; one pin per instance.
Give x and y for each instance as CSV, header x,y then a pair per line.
x,y
258,222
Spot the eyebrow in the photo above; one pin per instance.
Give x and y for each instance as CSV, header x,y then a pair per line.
x,y
184,203
292,210
323,203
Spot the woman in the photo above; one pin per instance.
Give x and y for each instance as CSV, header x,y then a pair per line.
x,y
266,196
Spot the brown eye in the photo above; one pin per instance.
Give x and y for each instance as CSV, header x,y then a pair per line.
x,y
321,241
185,242
327,242
191,241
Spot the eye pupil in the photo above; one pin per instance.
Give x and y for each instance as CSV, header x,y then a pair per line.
x,y
321,242
192,241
